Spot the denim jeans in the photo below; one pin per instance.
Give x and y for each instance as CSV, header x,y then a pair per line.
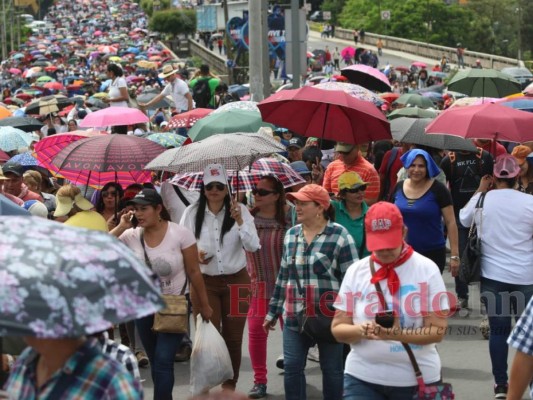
x,y
161,349
503,301
461,288
356,389
295,348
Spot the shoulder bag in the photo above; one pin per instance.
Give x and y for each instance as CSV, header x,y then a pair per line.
x,y
434,391
470,266
174,318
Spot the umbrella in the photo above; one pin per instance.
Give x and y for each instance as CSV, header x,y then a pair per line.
x,y
473,101
14,71
247,178
7,207
25,159
54,86
411,130
419,64
105,158
48,104
389,97
4,156
348,51
227,122
485,121
402,69
234,150
240,90
484,83
189,118
327,114
113,116
367,77
44,79
14,101
62,281
163,103
528,91
167,139
414,100
412,112
4,113
13,138
520,104
238,105
353,90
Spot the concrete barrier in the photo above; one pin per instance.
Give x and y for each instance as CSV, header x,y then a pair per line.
x,y
431,50
216,63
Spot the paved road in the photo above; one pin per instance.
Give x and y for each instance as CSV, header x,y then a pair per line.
x,y
464,354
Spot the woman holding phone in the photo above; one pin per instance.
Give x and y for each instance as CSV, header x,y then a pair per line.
x,y
224,229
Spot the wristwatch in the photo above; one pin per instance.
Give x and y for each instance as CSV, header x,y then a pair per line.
x,y
455,258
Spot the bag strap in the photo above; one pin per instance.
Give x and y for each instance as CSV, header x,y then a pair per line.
x,y
479,207
181,196
362,246
406,346
149,263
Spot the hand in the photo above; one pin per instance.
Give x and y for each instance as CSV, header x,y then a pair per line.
x,y
236,212
125,220
269,325
202,257
317,173
454,267
111,223
206,312
485,183
106,100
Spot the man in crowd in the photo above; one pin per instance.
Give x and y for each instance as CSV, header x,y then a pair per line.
x,y
14,185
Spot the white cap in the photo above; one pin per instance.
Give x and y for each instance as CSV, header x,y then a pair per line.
x,y
215,173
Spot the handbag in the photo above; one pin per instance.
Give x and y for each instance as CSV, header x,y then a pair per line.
x,y
317,326
433,391
174,318
470,266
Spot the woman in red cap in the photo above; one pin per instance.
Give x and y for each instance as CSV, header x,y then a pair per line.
x,y
413,310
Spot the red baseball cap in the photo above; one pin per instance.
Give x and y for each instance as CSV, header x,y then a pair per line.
x,y
311,192
384,227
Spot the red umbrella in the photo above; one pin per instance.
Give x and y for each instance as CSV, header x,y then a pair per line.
x,y
51,68
189,118
54,86
367,77
327,114
389,97
485,121
113,116
107,158
419,64
402,69
4,156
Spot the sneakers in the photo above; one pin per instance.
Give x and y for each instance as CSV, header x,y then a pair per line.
x,y
280,362
142,359
184,354
462,303
485,329
258,391
500,392
313,354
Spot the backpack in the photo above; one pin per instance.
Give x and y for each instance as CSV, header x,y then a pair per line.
x,y
201,93
228,98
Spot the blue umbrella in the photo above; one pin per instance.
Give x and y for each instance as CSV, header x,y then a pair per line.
x,y
519,104
141,57
133,50
25,159
7,207
13,138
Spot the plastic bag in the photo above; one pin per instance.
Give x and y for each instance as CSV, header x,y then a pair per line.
x,y
210,361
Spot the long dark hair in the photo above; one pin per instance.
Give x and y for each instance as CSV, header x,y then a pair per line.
x,y
280,203
118,200
227,223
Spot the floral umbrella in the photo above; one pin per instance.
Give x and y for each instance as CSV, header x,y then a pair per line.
x,y
238,105
167,139
58,281
13,138
353,90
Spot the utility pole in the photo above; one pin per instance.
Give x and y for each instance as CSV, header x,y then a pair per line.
x,y
519,32
12,19
295,22
229,52
4,31
258,60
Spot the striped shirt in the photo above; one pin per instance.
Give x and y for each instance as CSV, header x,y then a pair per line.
x,y
321,265
366,171
88,374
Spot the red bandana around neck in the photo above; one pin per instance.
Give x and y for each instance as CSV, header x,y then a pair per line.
x,y
387,270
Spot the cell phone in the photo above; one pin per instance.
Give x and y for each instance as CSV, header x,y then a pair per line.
x,y
134,221
385,318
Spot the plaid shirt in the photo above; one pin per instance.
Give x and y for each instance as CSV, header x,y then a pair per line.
x,y
521,337
321,265
88,374
120,353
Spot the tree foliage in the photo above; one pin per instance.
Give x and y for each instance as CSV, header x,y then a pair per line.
x,y
148,6
174,21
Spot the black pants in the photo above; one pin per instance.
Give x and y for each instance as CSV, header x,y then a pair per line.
x,y
438,256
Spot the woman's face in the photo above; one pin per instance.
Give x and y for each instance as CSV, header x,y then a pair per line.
x,y
418,171
215,191
72,126
307,211
147,215
109,197
387,256
265,194
354,196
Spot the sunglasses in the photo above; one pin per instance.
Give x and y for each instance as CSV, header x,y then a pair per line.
x,y
109,194
262,192
356,190
219,186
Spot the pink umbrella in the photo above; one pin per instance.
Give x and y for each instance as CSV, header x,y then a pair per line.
x,y
367,77
113,116
107,49
97,33
419,64
14,71
348,51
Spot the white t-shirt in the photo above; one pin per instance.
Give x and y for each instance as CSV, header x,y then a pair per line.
x,y
506,235
166,258
114,92
178,89
385,362
173,203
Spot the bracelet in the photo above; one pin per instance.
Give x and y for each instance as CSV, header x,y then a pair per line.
x,y
10,362
455,258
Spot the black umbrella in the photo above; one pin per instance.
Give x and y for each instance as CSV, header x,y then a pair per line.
x,y
26,124
47,105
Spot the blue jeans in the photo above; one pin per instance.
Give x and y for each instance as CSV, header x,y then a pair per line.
x,y
161,349
461,288
356,389
503,301
295,348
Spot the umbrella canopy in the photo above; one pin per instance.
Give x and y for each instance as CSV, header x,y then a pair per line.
x,y
234,150
26,124
4,113
353,90
4,156
477,82
13,138
167,139
412,112
523,104
227,122
412,130
414,100
326,114
389,97
367,77
25,159
485,121
113,116
105,158
62,281
348,52
238,105
163,103
47,105
189,118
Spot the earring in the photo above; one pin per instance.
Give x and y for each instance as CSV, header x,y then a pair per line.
x,y
318,215
160,218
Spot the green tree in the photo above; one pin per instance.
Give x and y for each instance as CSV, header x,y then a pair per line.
x,y
148,6
174,22
335,7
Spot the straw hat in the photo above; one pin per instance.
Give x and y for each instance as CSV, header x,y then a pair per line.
x,y
167,71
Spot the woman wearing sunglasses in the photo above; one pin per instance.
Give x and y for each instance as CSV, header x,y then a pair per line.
x,y
271,217
351,209
224,229
109,203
